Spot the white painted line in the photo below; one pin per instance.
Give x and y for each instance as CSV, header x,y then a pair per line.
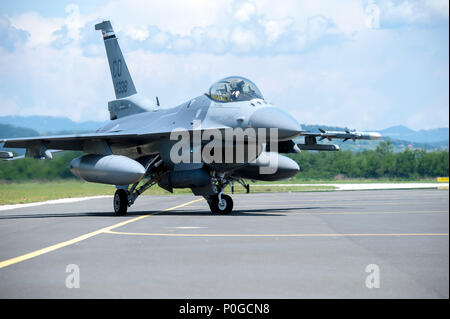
x,y
368,186
50,202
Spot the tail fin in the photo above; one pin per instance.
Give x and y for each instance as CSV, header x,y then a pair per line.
x,y
123,84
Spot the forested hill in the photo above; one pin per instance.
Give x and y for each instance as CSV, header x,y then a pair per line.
x,y
50,124
421,136
9,131
379,163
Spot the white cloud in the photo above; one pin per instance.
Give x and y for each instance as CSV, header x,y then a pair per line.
x,y
41,29
244,40
42,79
438,7
175,16
245,11
158,40
9,105
137,32
426,12
10,36
275,28
348,15
182,44
73,22
318,26
316,59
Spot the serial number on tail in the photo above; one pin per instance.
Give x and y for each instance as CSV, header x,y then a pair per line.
x,y
121,87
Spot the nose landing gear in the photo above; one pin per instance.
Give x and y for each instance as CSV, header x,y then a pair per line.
x,y
221,204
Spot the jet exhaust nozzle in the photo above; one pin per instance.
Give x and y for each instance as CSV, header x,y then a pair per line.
x,y
107,169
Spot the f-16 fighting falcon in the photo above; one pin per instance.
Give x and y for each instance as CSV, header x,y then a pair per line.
x,y
229,134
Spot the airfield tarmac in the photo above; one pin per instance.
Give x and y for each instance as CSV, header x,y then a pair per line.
x,y
274,245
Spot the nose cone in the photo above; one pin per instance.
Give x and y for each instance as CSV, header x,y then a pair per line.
x,y
273,117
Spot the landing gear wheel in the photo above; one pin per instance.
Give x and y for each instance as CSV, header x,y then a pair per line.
x,y
223,207
120,202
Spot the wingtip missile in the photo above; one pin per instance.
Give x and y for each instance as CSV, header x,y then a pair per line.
x,y
348,135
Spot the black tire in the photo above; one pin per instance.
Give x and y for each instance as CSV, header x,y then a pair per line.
x,y
223,209
120,202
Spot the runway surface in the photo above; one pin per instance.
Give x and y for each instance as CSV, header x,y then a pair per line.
x,y
277,245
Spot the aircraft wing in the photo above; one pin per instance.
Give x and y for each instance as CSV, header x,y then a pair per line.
x,y
64,142
43,146
95,143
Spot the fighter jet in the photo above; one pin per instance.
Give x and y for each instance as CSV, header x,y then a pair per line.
x,y
136,149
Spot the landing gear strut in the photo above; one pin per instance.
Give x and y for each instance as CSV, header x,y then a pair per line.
x,y
124,198
220,203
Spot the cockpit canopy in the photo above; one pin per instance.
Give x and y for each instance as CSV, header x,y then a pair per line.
x,y
234,89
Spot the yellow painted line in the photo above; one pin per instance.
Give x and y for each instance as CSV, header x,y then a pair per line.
x,y
442,179
48,249
274,235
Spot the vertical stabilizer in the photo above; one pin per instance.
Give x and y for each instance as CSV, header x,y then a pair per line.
x,y
123,84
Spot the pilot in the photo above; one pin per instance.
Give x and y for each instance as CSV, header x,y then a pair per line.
x,y
236,89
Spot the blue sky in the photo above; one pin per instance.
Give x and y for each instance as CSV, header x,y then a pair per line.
x,y
361,64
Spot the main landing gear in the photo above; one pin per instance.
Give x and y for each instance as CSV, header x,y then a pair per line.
x,y
120,202
125,197
219,203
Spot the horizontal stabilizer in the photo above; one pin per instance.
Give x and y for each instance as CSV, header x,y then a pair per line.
x,y
129,106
